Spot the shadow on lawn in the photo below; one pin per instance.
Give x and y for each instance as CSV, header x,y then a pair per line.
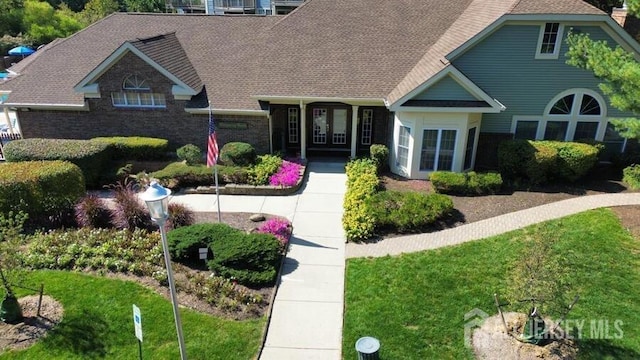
x,y
84,334
605,349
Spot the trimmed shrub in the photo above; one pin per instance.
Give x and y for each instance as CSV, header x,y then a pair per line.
x,y
265,166
129,211
380,155
184,242
91,211
179,216
40,188
407,211
470,183
179,174
135,147
238,154
631,176
252,259
362,183
574,159
190,154
542,161
91,156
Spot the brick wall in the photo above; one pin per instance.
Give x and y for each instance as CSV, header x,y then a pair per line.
x,y
171,123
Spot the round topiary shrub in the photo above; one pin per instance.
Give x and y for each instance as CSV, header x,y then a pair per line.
x,y
252,259
190,153
238,154
184,242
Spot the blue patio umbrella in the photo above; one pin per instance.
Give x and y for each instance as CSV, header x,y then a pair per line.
x,y
21,50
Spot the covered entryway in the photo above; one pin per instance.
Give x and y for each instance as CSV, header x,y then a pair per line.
x,y
329,128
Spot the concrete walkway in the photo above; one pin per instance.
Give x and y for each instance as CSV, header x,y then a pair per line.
x,y
489,227
306,322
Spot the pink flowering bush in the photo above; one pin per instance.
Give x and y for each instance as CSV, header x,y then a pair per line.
x,y
287,175
280,228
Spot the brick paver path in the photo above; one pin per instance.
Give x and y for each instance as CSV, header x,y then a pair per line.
x,y
489,227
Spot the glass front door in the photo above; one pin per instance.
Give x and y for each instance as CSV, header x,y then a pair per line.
x,y
330,128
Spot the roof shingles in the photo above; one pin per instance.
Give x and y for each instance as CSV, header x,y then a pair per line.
x,y
326,48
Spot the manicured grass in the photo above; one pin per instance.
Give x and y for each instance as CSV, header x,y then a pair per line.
x,y
415,303
98,323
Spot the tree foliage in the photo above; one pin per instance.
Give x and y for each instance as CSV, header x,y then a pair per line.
x,y
618,70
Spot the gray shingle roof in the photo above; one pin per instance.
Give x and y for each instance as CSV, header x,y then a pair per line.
x,y
167,52
326,48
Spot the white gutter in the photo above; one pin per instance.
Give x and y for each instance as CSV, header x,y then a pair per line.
x,y
295,100
29,106
205,111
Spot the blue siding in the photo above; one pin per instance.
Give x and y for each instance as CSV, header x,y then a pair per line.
x,y
504,65
445,89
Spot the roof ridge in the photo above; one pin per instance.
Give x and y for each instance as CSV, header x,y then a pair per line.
x,y
516,3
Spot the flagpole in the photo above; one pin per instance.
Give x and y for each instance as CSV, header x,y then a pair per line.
x,y
215,170
215,176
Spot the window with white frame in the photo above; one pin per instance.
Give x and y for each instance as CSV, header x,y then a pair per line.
x,y
137,93
438,147
293,125
572,115
404,133
367,127
549,41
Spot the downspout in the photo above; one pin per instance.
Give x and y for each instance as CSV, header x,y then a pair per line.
x,y
270,133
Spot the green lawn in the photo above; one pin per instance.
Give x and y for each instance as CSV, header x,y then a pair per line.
x,y
98,323
415,303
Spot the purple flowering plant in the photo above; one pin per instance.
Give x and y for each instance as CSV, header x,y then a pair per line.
x,y
280,228
287,175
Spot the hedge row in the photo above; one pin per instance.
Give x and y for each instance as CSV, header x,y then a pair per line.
x,y
251,259
470,183
135,147
362,183
407,211
40,188
543,161
90,156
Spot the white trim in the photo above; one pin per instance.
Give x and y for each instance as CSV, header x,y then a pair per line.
x,y
573,118
438,145
405,169
115,56
459,78
556,46
73,107
205,111
296,100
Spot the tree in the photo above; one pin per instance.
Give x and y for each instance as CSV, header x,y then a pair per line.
x,y
616,68
144,5
95,10
43,23
605,5
11,17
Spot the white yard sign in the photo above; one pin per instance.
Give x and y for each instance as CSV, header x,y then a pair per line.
x,y
137,322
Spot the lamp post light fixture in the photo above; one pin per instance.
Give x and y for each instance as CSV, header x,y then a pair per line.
x,y
157,199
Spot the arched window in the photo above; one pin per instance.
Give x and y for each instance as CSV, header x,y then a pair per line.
x,y
574,114
137,93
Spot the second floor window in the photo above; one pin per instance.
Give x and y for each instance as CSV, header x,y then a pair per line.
x,y
549,41
137,93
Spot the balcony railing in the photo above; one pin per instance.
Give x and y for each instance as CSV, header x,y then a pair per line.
x,y
235,4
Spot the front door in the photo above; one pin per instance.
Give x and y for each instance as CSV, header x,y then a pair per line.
x,y
329,128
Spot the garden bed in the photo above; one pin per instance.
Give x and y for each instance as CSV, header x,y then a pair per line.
x,y
244,189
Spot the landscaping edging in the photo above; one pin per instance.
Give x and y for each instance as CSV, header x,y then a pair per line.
x,y
243,189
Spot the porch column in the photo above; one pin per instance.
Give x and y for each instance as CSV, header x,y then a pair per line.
x,y
354,130
303,130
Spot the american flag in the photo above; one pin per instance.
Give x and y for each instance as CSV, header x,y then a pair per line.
x,y
212,142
